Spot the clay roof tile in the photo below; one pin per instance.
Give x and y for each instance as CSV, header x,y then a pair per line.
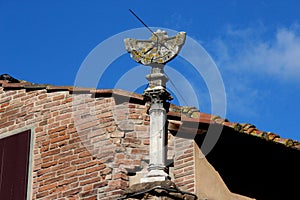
x,y
183,114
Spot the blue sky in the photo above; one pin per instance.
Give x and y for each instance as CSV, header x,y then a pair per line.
x,y
255,44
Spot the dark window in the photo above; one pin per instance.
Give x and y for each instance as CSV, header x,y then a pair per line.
x,y
14,159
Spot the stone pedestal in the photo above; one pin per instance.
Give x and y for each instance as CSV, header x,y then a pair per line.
x,y
158,143
157,94
156,52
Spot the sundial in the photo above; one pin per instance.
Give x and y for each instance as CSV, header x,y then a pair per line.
x,y
156,52
158,49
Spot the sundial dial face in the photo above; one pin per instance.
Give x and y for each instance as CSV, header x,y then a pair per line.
x,y
159,49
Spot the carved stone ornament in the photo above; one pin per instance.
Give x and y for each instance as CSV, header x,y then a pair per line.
x,y
158,49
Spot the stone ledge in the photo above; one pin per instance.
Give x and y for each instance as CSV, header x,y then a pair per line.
x,y
165,190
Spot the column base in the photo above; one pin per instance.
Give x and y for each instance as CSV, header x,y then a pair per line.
x,y
155,175
157,190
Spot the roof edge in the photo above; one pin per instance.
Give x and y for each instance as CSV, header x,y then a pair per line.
x,y
184,114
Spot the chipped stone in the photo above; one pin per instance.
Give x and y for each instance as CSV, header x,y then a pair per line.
x,y
126,125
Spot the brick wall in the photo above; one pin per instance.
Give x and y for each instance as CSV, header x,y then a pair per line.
x,y
184,162
86,146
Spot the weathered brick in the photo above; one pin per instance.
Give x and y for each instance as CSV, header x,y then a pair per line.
x,y
60,128
59,139
120,176
87,164
45,176
117,184
69,181
49,164
59,97
66,170
64,116
72,192
53,180
47,159
84,154
52,104
21,93
139,151
87,125
90,181
75,173
94,168
91,194
63,155
49,153
117,134
6,124
42,194
10,112
140,128
48,187
73,161
146,142
88,176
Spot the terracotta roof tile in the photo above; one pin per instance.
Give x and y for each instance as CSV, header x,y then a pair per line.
x,y
20,85
3,81
52,88
244,128
269,136
118,92
184,114
297,146
59,88
76,90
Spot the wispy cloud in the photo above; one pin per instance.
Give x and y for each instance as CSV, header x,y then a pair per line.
x,y
253,59
251,51
179,22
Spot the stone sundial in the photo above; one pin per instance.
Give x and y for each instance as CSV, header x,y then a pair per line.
x,y
156,52
159,49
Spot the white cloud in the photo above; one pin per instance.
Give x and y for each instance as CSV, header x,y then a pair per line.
x,y
250,51
253,59
261,71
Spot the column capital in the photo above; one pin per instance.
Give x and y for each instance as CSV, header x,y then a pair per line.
x,y
157,95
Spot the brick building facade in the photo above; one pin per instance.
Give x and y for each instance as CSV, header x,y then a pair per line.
x,y
93,144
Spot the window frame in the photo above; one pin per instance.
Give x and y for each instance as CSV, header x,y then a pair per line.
x,y
30,156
